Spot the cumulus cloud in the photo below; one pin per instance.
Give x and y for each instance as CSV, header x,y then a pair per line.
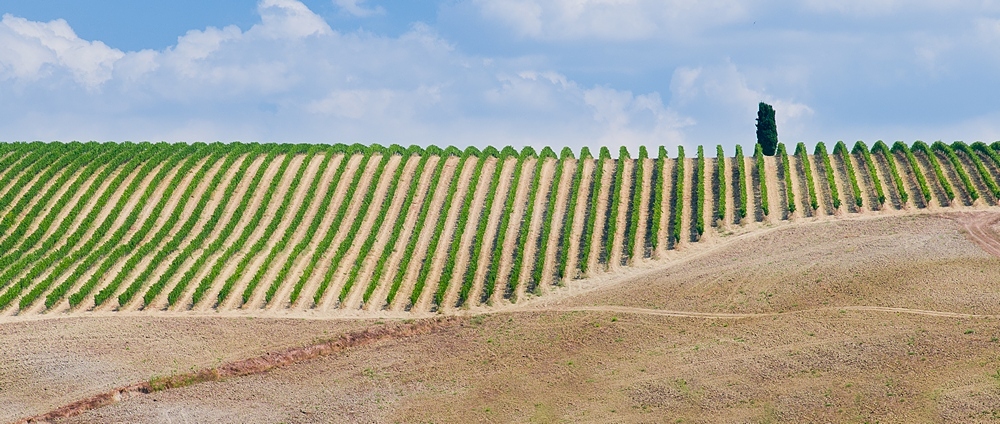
x,y
31,50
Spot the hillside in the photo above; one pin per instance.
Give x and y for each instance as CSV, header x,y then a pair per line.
x,y
357,230
876,319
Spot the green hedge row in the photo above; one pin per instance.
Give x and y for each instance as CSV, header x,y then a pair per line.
x,y
800,151
476,250
590,220
881,147
786,169
463,219
493,271
425,266
720,193
660,177
562,265
383,211
862,148
959,169
699,201
678,195
920,146
548,219
741,178
980,167
636,204
990,153
359,219
758,154
611,225
821,155
199,239
845,157
90,251
112,250
145,248
925,190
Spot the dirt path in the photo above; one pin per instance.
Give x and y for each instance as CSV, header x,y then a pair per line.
x,y
330,297
427,231
356,295
535,225
160,303
624,206
513,228
490,235
645,192
799,189
980,228
824,200
687,200
173,208
712,315
463,258
378,298
727,179
311,175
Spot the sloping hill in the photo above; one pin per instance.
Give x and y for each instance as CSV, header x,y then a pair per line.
x,y
371,230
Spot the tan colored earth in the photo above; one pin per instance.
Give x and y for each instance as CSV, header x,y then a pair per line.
x,y
879,318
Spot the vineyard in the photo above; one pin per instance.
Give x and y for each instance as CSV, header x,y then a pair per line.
x,y
348,228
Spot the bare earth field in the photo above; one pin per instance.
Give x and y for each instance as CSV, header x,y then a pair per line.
x,y
879,318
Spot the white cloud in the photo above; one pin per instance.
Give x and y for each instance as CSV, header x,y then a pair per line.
x,y
30,50
355,8
610,19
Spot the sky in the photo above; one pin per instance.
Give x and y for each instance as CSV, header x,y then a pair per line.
x,y
499,72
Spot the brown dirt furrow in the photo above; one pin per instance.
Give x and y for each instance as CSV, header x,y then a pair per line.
x,y
754,178
312,283
638,254
257,365
145,215
256,301
270,175
559,214
490,236
280,300
160,303
666,181
535,226
465,246
866,184
330,298
5,172
22,191
513,227
979,229
846,193
961,195
171,209
775,191
378,298
355,298
427,231
798,187
117,223
992,166
624,203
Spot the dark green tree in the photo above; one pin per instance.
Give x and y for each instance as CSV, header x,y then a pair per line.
x,y
767,129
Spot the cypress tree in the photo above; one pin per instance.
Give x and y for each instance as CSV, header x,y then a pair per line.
x,y
767,129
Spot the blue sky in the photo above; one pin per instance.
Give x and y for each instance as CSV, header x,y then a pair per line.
x,y
518,72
